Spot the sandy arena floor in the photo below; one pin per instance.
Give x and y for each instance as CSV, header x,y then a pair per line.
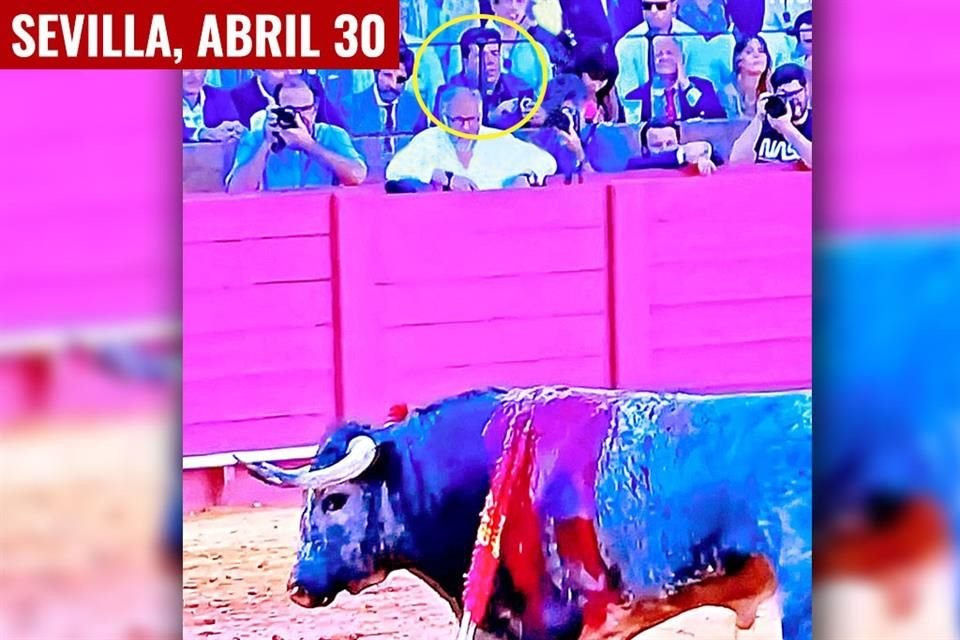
x,y
235,568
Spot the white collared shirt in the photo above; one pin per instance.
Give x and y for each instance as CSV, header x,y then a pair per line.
x,y
494,162
193,115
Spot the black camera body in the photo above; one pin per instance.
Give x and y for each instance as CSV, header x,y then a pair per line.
x,y
286,117
562,119
775,107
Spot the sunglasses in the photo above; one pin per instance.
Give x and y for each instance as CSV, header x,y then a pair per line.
x,y
659,6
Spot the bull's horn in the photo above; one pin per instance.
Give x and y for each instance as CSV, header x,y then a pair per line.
x,y
361,452
272,474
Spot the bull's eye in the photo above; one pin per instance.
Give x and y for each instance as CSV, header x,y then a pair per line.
x,y
333,502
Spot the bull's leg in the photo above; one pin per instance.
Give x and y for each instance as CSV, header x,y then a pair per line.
x,y
743,591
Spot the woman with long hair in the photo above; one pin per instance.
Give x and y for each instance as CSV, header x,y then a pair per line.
x,y
751,69
598,72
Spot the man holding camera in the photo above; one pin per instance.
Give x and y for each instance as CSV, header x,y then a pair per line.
x,y
287,147
782,129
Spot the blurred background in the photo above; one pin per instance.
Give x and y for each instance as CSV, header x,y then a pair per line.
x,y
89,347
89,356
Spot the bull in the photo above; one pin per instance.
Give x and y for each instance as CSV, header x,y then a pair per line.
x,y
643,506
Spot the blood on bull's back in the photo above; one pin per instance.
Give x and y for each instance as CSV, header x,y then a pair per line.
x,y
685,481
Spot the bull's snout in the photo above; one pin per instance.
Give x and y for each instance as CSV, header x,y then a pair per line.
x,y
301,594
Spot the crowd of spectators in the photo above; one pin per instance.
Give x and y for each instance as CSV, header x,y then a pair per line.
x,y
622,75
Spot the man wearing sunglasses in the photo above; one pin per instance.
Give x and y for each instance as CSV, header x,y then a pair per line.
x,y
385,108
634,51
503,93
289,147
772,137
446,161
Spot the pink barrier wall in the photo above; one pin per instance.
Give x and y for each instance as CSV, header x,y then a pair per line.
x,y
713,298
445,292
306,308
257,321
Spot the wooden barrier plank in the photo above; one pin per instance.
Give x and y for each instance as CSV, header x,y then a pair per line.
x,y
214,355
440,346
266,306
730,322
712,288
455,255
258,433
456,291
521,296
741,366
256,215
258,395
222,265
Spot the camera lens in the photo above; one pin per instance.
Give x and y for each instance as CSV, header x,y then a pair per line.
x,y
775,107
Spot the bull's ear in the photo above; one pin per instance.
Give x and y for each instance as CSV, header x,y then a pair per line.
x,y
385,464
274,475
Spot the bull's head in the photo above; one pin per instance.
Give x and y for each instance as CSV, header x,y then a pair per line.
x,y
348,528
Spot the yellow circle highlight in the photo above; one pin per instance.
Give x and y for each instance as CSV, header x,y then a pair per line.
x,y
541,57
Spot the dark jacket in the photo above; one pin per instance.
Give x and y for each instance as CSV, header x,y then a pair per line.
x,y
218,108
508,87
364,114
707,106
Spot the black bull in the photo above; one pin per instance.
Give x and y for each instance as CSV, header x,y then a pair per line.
x,y
685,490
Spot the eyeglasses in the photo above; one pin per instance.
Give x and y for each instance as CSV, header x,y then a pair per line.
x,y
789,94
659,6
463,121
300,110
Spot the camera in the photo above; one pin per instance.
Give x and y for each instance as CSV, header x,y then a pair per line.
x,y
562,118
775,107
286,117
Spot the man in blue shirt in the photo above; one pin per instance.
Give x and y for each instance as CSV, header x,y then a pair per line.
x,y
292,149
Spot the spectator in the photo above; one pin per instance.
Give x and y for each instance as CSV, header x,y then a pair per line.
x,y
289,147
386,108
208,112
660,148
452,162
746,16
787,138
519,56
803,32
502,92
257,94
779,15
598,72
705,16
588,22
751,69
671,94
634,52
563,128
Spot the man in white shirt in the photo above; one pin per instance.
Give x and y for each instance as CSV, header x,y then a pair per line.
x,y
454,163
633,50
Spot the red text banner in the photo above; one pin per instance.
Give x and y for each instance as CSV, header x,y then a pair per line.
x,y
216,34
